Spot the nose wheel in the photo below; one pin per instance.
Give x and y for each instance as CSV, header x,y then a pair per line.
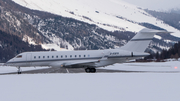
x,y
90,70
19,70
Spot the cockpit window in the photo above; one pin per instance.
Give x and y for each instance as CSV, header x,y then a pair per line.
x,y
19,56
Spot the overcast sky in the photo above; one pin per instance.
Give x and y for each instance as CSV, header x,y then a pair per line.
x,y
156,4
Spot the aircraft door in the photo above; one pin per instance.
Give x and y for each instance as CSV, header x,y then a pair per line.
x,y
28,59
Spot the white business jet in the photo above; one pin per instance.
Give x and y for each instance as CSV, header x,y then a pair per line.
x,y
88,59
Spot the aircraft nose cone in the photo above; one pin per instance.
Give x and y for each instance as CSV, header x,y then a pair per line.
x,y
8,63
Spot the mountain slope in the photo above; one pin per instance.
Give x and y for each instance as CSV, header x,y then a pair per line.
x,y
58,31
11,45
11,22
108,14
92,27
171,18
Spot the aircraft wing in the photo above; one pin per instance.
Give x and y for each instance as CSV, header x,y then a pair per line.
x,y
81,62
74,62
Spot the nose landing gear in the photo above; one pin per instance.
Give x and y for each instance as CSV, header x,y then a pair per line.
x,y
90,70
19,70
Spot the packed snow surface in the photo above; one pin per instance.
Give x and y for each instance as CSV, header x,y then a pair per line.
x,y
149,86
91,87
108,14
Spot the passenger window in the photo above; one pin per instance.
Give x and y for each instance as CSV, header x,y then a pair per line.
x,y
47,56
84,55
52,56
79,55
66,56
39,57
19,56
56,56
34,57
71,56
43,56
75,56
61,56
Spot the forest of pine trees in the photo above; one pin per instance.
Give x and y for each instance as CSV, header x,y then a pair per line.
x,y
11,45
173,52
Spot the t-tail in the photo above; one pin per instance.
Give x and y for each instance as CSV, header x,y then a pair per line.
x,y
141,40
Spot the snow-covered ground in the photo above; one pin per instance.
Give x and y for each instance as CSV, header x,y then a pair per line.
x,y
91,87
96,86
150,66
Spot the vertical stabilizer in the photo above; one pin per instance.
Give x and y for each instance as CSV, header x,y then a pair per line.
x,y
141,40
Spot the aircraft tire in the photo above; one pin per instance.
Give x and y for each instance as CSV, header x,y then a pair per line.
x,y
93,70
88,70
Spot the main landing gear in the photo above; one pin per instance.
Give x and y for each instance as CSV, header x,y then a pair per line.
x,y
90,70
19,70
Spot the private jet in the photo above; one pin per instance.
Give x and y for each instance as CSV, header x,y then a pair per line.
x,y
87,59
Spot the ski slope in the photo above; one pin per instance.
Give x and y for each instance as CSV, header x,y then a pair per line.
x,y
108,14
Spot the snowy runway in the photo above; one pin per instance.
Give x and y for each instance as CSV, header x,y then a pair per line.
x,y
123,86
151,67
91,87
